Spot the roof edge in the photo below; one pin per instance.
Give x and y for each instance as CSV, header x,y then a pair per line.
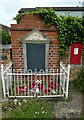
x,y
55,8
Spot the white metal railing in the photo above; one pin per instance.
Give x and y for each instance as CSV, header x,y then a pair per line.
x,y
36,84
47,83
64,80
4,71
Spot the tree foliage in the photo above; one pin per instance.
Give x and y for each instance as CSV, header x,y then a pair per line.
x,y
4,37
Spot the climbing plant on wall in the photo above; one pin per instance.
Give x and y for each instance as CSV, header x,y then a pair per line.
x,y
70,28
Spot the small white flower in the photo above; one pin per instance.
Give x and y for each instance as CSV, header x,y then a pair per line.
x,y
34,116
38,81
42,108
37,112
6,107
24,101
15,100
19,104
43,111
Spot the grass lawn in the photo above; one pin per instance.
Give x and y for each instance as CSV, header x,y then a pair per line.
x,y
31,108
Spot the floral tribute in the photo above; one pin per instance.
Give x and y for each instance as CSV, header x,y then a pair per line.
x,y
22,89
37,87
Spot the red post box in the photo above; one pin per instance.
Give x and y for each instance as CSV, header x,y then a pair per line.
x,y
75,55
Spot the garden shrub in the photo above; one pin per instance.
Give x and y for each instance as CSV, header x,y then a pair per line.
x,y
79,81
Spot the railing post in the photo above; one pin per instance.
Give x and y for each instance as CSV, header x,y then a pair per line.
x,y
3,82
67,83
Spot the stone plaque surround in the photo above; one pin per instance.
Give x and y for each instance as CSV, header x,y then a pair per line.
x,y
36,37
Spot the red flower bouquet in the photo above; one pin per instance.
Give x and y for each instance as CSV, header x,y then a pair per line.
x,y
53,85
22,89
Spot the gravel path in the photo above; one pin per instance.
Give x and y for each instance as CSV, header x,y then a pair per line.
x,y
71,108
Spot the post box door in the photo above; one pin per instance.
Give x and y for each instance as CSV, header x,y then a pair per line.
x,y
75,55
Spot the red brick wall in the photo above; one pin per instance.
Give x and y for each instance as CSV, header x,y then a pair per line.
x,y
7,53
27,24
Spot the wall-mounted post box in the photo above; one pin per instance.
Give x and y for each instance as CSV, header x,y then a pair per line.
x,y
75,55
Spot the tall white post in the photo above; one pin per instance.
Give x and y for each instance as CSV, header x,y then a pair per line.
x,y
67,83
3,82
